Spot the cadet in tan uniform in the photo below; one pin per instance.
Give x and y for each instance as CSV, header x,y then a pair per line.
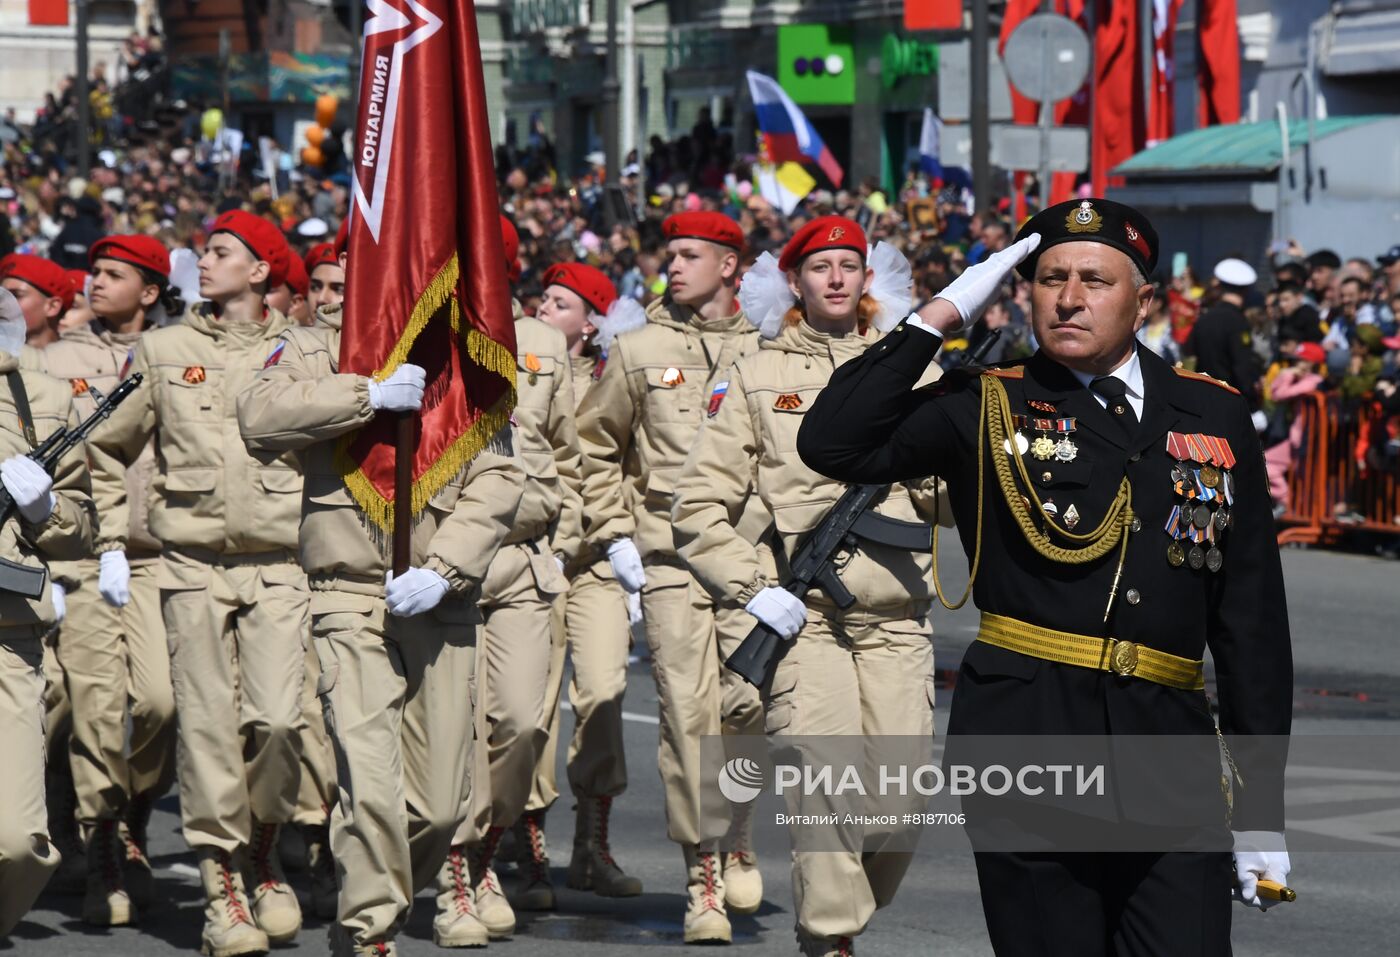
x,y
516,652
636,425
112,646
866,670
397,663
54,520
291,298
232,596
327,276
591,621
44,292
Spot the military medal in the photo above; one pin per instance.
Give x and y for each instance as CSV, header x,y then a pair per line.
x,y
1176,555
1214,559
1043,448
672,377
1222,519
1051,508
1210,476
1071,517
532,366
1065,450
1020,447
1196,558
1200,516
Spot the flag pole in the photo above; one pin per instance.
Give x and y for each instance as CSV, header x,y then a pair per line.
x,y
403,492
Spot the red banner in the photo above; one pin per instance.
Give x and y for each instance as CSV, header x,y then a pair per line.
x,y
1219,72
1162,114
426,283
48,13
933,14
1120,115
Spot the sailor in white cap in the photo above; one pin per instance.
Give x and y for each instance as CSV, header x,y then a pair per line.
x,y
1221,341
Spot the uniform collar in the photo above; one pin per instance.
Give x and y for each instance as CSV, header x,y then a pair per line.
x,y
1130,373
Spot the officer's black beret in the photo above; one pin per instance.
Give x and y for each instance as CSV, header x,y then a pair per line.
x,y
1094,221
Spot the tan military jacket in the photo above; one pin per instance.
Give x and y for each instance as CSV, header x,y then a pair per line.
x,y
94,356
583,369
752,444
211,494
640,419
302,405
67,534
546,436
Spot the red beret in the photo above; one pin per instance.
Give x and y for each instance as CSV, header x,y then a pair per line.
x,y
342,238
79,280
143,252
511,239
590,284
711,227
322,254
263,239
45,275
297,278
823,233
1311,352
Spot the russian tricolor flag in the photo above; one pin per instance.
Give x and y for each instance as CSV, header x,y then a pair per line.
x,y
787,135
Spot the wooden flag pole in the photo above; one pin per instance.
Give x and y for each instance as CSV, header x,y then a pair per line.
x,y
403,492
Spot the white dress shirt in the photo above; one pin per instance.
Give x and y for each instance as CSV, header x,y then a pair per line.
x,y
1131,374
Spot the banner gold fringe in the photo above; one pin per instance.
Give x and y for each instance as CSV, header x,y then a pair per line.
x,y
482,351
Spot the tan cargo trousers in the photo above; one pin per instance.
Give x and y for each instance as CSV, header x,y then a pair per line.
x,y
516,677
26,856
591,624
866,676
237,628
316,790
689,638
113,658
397,695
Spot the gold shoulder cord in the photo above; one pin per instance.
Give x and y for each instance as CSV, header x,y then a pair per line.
x,y
1112,531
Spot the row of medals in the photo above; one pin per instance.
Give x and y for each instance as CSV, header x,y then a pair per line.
x,y
1044,449
1207,493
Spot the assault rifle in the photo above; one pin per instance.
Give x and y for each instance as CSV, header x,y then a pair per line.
x,y
24,579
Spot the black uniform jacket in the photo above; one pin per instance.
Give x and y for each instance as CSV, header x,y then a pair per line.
x,y
869,426
1220,341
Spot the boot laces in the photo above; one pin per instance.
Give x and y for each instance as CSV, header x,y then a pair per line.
x,y
709,894
486,854
604,807
461,883
844,947
233,900
539,857
105,839
263,849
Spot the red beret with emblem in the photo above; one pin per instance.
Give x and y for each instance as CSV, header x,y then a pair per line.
x,y
321,254
297,277
264,240
511,240
45,275
821,234
143,252
590,284
711,227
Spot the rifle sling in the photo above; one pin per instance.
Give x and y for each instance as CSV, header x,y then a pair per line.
x,y
21,398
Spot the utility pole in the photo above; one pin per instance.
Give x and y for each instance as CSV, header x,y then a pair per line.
x,y
981,132
80,27
614,203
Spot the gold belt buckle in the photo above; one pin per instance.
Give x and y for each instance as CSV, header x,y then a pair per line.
x,y
1123,658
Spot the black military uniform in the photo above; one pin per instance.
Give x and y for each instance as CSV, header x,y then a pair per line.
x,y
1221,342
1173,597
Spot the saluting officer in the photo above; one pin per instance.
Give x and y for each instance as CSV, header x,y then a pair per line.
x,y
636,426
54,519
864,670
113,647
232,597
1123,522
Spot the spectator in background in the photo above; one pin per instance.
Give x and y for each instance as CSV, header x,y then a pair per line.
x,y
1342,321
1156,332
1298,319
1322,270
1184,303
70,247
1221,341
1284,433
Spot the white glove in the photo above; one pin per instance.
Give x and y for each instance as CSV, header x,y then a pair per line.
x,y
414,592
30,486
627,565
401,392
634,607
1253,861
975,289
780,610
59,597
1260,420
114,578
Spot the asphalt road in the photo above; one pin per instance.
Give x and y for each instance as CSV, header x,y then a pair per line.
x,y
1347,649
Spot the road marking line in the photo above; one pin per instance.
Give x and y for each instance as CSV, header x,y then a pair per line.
x,y
185,870
626,715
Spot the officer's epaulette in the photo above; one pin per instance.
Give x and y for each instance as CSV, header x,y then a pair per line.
x,y
1202,377
1005,372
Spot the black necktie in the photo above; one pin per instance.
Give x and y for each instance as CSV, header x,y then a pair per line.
x,y
1115,391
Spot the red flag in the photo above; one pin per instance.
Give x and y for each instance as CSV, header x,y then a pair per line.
x,y
1219,73
1161,113
427,280
1119,115
933,14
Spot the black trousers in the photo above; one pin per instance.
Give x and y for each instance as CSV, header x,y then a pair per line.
x,y
1095,905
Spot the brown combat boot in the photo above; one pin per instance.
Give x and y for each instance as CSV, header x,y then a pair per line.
x,y
705,919
62,804
106,902
743,883
491,905
136,863
456,923
536,888
825,946
275,906
592,867
229,930
325,893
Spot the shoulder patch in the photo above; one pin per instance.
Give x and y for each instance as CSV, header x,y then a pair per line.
x,y
1202,377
